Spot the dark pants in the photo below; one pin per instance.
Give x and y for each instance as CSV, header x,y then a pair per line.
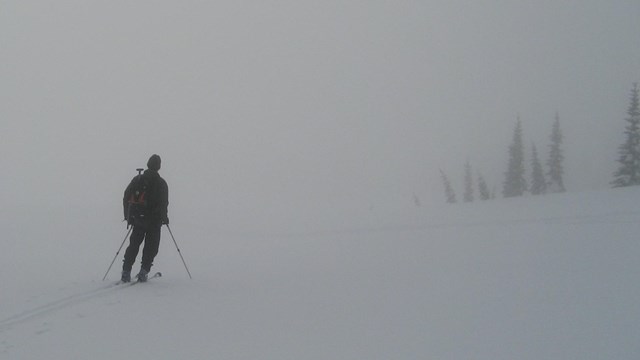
x,y
150,234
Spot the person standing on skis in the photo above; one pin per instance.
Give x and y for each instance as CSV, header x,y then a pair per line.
x,y
145,201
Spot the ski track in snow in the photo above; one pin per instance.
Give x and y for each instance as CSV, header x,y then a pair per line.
x,y
45,309
49,308
68,301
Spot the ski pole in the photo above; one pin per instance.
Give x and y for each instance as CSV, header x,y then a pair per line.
x,y
180,253
120,248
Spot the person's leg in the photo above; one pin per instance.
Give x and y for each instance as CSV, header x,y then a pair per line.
x,y
151,246
137,236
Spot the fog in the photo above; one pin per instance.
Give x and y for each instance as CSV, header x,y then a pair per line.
x,y
296,115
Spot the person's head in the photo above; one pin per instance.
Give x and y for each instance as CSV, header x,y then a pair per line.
x,y
154,162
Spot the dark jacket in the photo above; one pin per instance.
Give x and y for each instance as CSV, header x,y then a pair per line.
x,y
157,197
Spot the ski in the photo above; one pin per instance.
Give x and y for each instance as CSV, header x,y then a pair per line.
x,y
131,283
156,275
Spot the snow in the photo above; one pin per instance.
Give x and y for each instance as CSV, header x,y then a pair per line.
x,y
548,277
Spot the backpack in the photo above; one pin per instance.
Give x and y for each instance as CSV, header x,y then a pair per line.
x,y
137,201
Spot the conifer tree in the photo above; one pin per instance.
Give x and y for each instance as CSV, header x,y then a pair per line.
x,y
416,200
448,189
538,182
483,188
468,183
628,174
515,183
556,158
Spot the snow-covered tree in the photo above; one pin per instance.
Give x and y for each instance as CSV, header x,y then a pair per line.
x,y
515,183
416,200
538,182
448,189
556,158
483,188
628,174
468,183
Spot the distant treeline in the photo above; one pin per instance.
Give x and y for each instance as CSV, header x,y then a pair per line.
x,y
546,179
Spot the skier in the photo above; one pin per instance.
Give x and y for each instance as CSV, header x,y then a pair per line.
x,y
145,208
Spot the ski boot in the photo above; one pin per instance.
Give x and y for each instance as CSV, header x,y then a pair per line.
x,y
143,275
126,276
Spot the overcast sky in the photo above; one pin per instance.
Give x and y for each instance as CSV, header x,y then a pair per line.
x,y
265,108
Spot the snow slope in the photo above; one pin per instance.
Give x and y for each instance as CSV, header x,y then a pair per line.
x,y
552,277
